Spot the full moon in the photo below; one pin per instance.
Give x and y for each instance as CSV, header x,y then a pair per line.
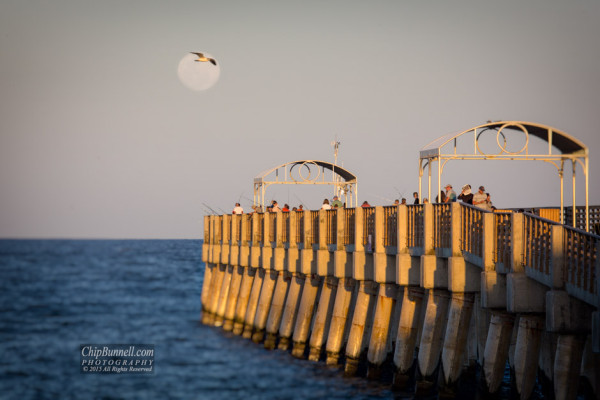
x,y
197,75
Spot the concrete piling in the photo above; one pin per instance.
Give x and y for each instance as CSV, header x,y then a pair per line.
x,y
455,337
223,294
242,301
380,333
497,345
290,311
340,319
232,297
259,277
406,338
264,305
527,352
432,336
322,320
215,289
276,311
567,365
206,293
308,302
361,326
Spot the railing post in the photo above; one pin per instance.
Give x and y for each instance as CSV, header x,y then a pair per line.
x,y
216,248
256,241
293,254
487,259
279,251
516,248
234,245
307,253
383,272
557,270
455,223
206,240
342,264
244,242
434,272
267,248
362,267
324,266
226,232
428,233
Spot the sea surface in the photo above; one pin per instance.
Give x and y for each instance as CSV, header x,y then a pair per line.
x,y
56,295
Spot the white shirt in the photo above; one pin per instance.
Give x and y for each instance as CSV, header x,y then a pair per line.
x,y
238,210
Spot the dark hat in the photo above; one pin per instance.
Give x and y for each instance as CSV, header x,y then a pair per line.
x,y
482,188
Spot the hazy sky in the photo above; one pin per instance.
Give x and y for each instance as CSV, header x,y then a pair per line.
x,y
100,139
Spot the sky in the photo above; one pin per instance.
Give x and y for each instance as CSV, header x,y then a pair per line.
x,y
100,139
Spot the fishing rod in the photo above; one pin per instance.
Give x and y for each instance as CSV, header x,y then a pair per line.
x,y
211,209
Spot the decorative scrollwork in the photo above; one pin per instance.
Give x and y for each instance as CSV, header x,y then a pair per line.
x,y
502,141
308,166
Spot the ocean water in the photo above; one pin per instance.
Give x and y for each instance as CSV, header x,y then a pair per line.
x,y
58,294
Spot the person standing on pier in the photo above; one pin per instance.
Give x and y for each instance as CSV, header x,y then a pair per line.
x,y
326,205
238,209
488,202
336,203
480,199
275,207
450,194
465,195
416,196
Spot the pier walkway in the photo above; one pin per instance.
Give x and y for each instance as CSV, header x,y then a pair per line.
x,y
428,293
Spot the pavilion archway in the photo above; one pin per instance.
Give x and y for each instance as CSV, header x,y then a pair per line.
x,y
562,149
308,172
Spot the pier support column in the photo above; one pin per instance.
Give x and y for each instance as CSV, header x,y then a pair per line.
x,y
339,320
206,293
527,352
223,293
497,345
379,341
264,305
276,312
243,297
546,362
215,289
305,314
253,303
361,325
320,328
432,335
567,365
455,338
406,339
232,298
290,311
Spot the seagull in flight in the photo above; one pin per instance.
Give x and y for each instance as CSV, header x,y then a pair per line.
x,y
203,58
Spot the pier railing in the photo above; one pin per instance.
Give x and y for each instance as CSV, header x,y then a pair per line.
x,y
416,226
503,240
552,254
581,261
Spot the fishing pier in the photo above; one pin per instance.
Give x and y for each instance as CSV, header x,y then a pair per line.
x,y
426,293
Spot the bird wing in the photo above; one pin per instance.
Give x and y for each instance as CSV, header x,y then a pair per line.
x,y
213,61
198,54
